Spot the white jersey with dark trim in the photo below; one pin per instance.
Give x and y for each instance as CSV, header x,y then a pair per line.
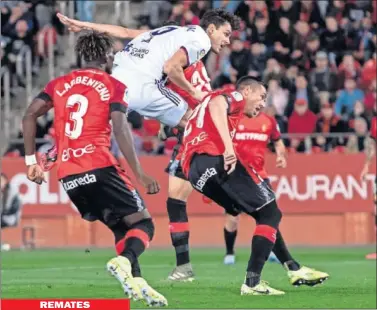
x,y
148,52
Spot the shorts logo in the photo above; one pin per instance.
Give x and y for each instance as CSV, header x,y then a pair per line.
x,y
210,172
139,202
85,180
76,153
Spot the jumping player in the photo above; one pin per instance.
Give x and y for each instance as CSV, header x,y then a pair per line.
x,y
251,140
370,151
210,163
83,102
154,56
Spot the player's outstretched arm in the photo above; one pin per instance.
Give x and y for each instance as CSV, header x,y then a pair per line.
x,y
173,68
39,106
123,136
75,25
218,108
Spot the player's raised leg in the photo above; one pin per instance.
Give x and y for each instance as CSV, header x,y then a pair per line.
x,y
179,191
230,234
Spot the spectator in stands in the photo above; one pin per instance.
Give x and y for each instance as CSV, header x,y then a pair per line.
x,y
322,78
332,40
369,71
258,60
289,9
349,69
327,123
311,14
273,71
277,96
347,98
283,42
260,33
199,7
303,91
370,100
301,36
248,10
356,142
302,121
358,112
313,46
10,207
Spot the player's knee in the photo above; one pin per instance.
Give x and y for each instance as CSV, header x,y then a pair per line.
x,y
231,222
145,225
179,189
270,215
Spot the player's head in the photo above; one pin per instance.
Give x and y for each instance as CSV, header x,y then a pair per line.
x,y
96,49
255,95
219,25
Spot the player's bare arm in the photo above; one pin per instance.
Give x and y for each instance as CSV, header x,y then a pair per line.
x,y
218,108
370,150
281,154
173,68
123,136
75,25
37,108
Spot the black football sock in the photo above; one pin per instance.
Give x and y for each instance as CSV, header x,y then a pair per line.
x,y
179,229
230,239
262,244
282,253
136,272
136,240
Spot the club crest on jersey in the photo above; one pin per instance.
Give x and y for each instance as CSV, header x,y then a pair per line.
x,y
201,54
237,96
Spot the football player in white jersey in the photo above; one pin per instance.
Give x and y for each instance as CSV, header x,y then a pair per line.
x,y
154,56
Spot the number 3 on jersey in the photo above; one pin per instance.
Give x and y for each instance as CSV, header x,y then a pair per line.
x,y
73,132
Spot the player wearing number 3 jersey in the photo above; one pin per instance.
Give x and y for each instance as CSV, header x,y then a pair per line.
x,y
152,56
83,102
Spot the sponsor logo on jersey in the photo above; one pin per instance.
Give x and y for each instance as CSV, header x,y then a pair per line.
x,y
135,51
85,180
251,136
210,172
237,96
76,153
201,54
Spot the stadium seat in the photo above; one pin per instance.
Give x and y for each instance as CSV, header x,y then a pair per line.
x,y
317,149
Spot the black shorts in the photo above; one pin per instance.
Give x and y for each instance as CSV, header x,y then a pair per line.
x,y
174,168
237,192
104,194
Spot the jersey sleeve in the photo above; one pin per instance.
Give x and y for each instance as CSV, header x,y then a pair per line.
x,y
119,102
197,44
275,130
47,94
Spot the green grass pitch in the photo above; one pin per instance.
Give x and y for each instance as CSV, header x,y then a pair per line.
x,y
77,274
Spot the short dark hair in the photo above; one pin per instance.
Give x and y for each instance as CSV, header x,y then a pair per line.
x,y
249,81
219,17
93,46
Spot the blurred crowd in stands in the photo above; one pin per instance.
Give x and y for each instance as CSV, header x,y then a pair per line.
x,y
318,59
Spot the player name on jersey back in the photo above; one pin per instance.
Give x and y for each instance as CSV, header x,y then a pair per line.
x,y
98,86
